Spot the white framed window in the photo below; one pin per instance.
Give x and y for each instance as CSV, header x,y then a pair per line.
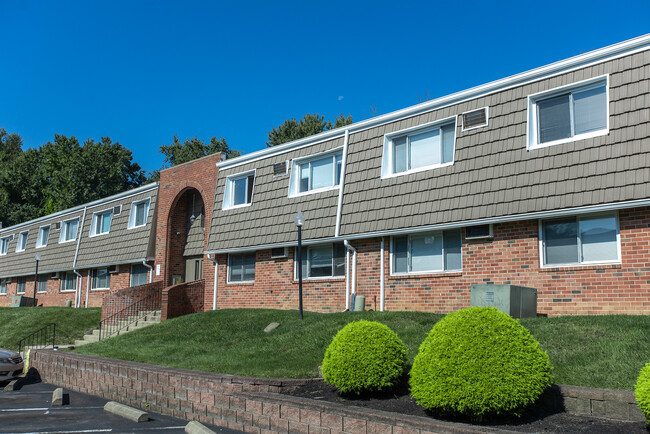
x,y
43,236
101,223
69,230
3,286
101,279
139,213
422,148
321,261
578,240
21,283
21,245
69,281
239,190
41,286
241,267
429,252
139,274
4,245
569,113
316,173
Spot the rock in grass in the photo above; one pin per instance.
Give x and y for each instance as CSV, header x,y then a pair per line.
x,y
271,327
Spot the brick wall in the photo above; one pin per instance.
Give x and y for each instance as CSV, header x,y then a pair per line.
x,y
117,300
183,299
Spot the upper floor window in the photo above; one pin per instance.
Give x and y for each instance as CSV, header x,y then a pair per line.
x,y
4,245
567,114
21,245
241,267
101,223
420,149
239,190
426,252
316,173
69,230
139,213
326,260
580,240
43,236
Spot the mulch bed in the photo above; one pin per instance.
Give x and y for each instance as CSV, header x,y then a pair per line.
x,y
536,418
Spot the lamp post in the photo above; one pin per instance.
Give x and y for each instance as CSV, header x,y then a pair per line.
x,y
299,220
37,257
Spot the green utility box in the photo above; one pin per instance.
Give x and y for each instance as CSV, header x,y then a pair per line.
x,y
516,301
22,301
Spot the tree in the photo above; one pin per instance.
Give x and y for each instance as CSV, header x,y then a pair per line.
x,y
291,129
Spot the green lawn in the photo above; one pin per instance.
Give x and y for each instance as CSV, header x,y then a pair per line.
x,y
18,322
598,351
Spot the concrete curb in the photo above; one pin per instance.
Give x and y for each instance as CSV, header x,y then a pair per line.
x,y
195,427
126,412
13,385
58,397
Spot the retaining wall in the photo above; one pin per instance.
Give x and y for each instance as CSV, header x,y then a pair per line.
x,y
183,299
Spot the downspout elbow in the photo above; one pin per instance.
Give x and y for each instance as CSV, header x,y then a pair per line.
x,y
150,267
354,271
216,275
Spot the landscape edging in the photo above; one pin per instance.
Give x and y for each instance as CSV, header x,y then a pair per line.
x,y
256,405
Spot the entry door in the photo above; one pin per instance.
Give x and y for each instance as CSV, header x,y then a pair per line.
x,y
193,269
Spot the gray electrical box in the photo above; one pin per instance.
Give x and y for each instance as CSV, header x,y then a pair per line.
x,y
516,301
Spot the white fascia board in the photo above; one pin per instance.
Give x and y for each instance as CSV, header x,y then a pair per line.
x,y
625,48
71,268
78,208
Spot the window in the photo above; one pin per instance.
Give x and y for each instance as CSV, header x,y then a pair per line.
x,y
43,236
21,245
69,230
139,274
326,260
4,245
21,283
580,240
317,173
241,267
427,252
139,213
101,279
420,149
69,281
42,284
239,190
568,114
3,286
101,223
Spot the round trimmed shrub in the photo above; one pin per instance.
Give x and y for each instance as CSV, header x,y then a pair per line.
x,y
479,361
364,356
642,392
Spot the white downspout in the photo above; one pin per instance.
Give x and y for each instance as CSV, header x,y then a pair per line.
x,y
76,255
344,160
144,262
347,279
77,293
354,267
216,275
381,278
88,285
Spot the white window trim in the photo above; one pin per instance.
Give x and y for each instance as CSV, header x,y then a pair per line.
x,y
8,239
296,264
38,286
542,254
93,223
387,156
531,127
294,179
65,231
17,286
3,282
236,282
38,238
92,278
20,235
63,283
424,273
131,224
487,119
229,189
131,275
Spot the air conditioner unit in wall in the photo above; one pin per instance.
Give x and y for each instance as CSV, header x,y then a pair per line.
x,y
114,269
57,226
279,252
478,232
117,210
55,275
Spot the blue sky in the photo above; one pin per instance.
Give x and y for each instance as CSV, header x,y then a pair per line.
x,y
142,71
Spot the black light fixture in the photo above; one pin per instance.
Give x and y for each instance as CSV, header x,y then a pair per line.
x,y
37,258
299,220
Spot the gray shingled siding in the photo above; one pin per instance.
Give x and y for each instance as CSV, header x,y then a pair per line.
x,y
54,257
195,238
494,174
269,219
120,244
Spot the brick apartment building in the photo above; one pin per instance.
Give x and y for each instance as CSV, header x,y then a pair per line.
x,y
540,179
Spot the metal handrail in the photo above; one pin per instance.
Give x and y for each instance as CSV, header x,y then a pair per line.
x,y
39,338
120,320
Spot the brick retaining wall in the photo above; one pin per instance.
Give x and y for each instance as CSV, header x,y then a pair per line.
x,y
253,404
183,299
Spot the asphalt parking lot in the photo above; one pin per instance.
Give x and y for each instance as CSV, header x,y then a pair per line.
x,y
29,410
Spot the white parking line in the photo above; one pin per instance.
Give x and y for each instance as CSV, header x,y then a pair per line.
x,y
47,408
69,432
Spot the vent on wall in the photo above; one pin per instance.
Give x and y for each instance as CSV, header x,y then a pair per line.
x,y
113,268
478,232
57,226
279,252
475,119
117,210
280,169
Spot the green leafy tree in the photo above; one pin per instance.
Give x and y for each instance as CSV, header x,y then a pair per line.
x,y
291,129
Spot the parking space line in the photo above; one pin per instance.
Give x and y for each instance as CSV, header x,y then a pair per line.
x,y
47,408
70,432
24,409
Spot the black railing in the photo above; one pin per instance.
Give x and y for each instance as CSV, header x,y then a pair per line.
x,y
129,315
41,338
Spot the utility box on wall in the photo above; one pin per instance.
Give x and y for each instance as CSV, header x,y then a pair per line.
x,y
516,301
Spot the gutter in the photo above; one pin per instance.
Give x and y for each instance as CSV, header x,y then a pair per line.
x,y
354,273
216,275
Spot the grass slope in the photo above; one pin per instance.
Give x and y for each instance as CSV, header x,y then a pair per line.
x,y
18,322
597,351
